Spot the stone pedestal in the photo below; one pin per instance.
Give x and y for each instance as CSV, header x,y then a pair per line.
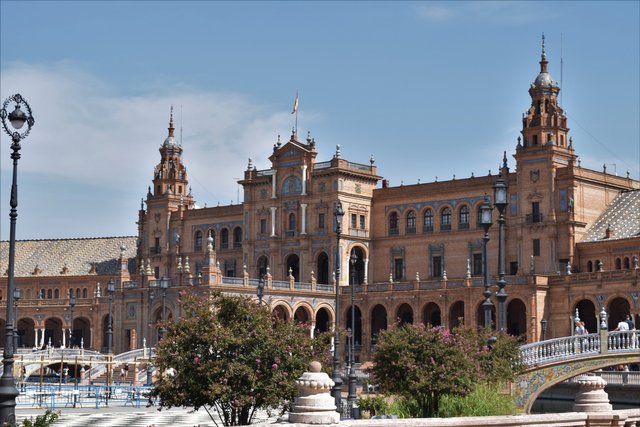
x,y
314,403
591,396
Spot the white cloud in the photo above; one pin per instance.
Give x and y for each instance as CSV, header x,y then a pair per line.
x,y
84,131
434,11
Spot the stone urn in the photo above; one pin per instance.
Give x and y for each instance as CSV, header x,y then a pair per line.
x,y
591,396
314,403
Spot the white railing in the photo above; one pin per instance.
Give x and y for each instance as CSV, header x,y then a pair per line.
x,y
578,346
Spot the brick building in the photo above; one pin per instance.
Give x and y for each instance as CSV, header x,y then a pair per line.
x,y
415,252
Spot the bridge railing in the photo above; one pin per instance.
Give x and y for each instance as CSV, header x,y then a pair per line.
x,y
579,346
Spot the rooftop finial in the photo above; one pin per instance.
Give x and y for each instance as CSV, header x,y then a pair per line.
x,y
543,53
504,160
171,121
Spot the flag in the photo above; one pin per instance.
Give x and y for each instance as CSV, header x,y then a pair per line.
x,y
295,104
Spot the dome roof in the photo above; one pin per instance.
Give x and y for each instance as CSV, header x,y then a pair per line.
x,y
543,79
170,141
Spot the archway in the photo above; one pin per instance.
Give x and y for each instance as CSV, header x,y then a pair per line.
x,y
404,315
81,335
323,320
378,321
358,268
516,318
456,315
480,315
302,315
280,312
53,331
293,266
431,315
263,263
619,308
26,333
357,325
588,314
322,268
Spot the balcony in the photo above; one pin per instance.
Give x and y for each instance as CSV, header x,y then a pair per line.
x,y
445,227
157,250
533,218
290,233
393,232
463,226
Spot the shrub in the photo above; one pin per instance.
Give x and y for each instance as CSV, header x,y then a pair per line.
x,y
374,405
485,400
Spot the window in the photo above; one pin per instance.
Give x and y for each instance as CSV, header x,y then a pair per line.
x,y
411,223
321,225
437,266
626,263
263,226
197,241
464,218
363,222
292,222
224,239
590,266
398,268
446,219
56,293
237,237
393,223
84,292
292,185
428,221
156,272
536,247
477,264
618,264
513,268
49,294
354,220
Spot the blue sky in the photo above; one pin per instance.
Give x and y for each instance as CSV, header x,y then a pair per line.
x,y
430,89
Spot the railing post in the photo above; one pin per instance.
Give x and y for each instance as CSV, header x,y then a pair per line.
x,y
604,341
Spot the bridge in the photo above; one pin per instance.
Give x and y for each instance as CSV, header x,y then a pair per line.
x,y
553,361
91,365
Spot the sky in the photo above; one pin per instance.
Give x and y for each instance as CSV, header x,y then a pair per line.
x,y
429,89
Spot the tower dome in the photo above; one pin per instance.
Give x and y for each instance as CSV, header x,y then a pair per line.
x,y
544,78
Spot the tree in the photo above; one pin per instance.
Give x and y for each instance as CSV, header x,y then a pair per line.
x,y
425,363
230,355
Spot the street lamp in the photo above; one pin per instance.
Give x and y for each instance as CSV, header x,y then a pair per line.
x,y
110,290
260,290
17,119
72,304
500,202
164,284
351,397
543,324
336,391
486,222
16,298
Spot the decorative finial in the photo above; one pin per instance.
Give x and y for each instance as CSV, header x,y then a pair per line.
x,y
372,160
210,242
171,117
141,204
338,154
123,248
504,159
250,165
308,137
543,52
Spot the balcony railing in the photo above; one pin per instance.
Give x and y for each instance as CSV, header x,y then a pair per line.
x,y
533,218
156,250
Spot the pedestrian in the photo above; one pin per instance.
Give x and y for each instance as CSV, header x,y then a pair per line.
x,y
629,322
623,326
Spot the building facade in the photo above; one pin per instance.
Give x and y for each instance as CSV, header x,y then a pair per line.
x,y
414,253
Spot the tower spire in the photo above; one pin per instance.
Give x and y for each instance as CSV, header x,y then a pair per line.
x,y
543,58
171,122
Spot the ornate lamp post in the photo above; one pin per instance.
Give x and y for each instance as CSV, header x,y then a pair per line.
x,y
336,391
543,325
72,304
17,119
486,222
500,202
260,290
351,397
16,298
110,290
164,284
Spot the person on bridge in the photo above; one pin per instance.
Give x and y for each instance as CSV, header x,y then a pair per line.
x,y
623,326
629,322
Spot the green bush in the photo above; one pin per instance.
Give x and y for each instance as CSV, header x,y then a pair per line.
x,y
44,420
482,401
374,405
403,407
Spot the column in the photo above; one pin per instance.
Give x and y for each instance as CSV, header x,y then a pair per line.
x,y
366,271
303,215
42,338
273,184
304,180
35,339
64,341
273,221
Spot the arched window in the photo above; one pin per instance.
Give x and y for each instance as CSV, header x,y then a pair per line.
x,y
224,238
393,223
49,294
463,223
626,263
292,222
590,266
428,221
197,241
445,223
84,292
618,264
411,222
56,294
292,185
237,237
78,293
